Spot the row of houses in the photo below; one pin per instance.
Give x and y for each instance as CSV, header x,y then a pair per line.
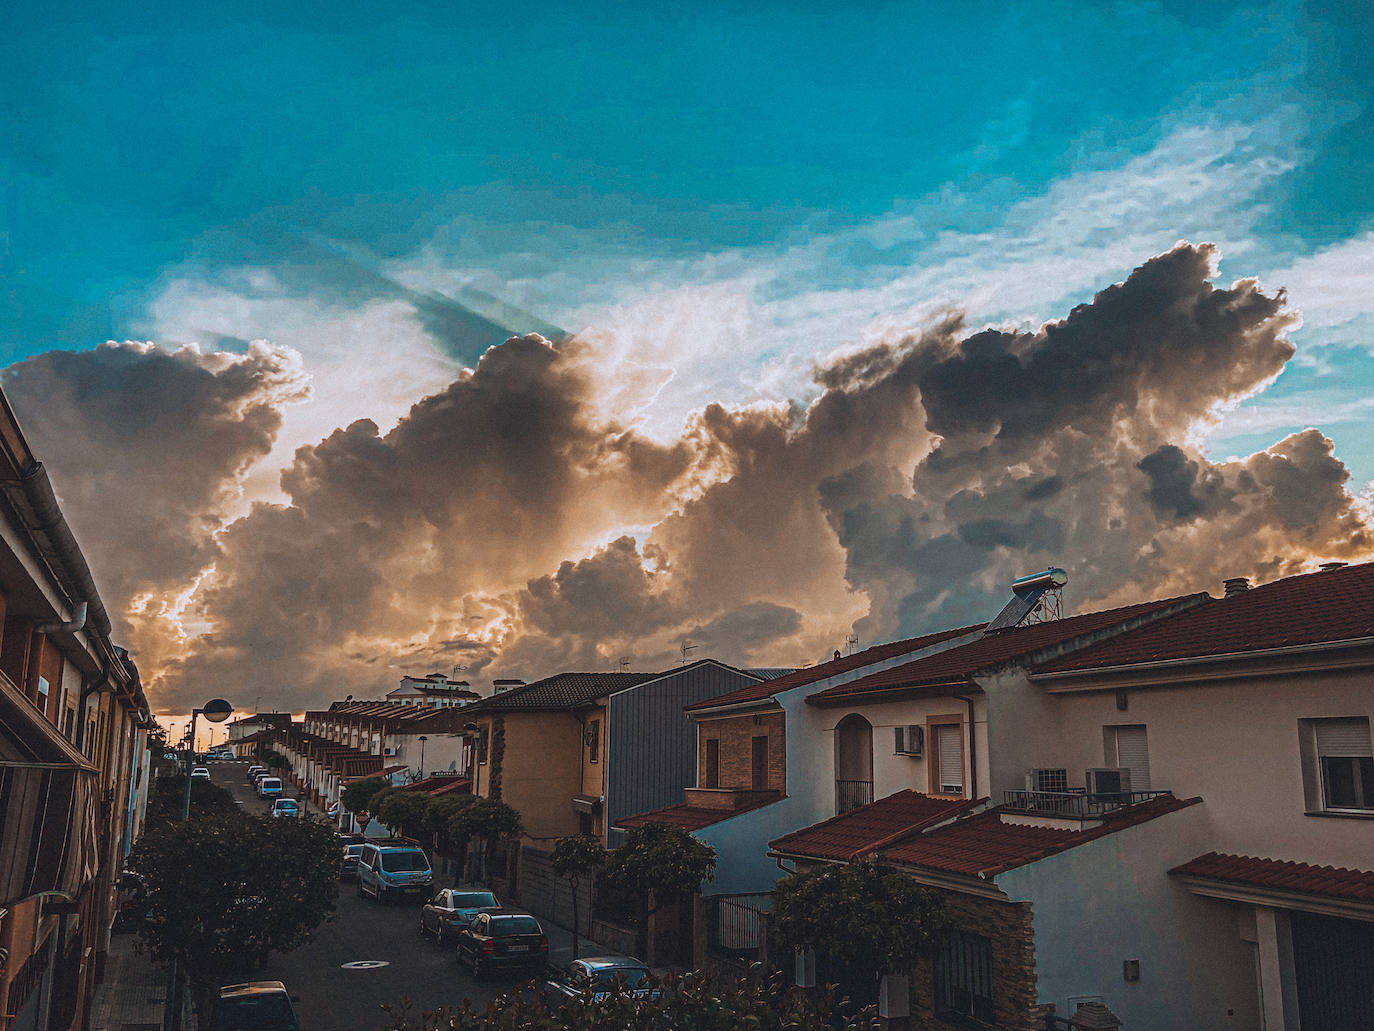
x,y
74,761
1166,809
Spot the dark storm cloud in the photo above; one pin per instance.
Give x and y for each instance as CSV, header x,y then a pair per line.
x,y
1173,476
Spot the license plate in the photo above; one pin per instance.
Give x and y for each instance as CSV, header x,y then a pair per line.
x,y
517,948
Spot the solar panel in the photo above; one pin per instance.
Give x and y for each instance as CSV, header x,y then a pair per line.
x,y
1021,605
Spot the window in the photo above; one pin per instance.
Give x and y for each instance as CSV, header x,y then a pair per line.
x,y
949,759
594,741
759,763
711,775
586,824
963,979
1345,763
1128,748
482,745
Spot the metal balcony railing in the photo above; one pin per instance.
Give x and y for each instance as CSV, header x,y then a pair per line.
x,y
850,794
1075,805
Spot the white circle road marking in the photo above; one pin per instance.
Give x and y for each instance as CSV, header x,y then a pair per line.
x,y
365,964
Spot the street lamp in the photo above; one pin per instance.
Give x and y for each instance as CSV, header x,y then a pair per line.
x,y
216,710
423,739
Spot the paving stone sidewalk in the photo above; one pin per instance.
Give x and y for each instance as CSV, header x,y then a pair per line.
x,y
134,991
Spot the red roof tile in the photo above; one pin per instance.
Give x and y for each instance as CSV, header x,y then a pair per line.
x,y
1313,608
984,846
844,664
691,817
996,649
858,830
1303,878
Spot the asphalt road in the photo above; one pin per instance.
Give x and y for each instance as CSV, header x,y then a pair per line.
x,y
337,998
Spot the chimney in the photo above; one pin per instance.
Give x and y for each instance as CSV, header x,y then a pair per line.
x,y
1236,585
1327,567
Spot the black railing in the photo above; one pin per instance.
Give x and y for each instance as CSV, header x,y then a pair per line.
x,y
850,794
1074,805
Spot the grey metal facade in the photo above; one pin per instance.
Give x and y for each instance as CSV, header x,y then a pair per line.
x,y
652,751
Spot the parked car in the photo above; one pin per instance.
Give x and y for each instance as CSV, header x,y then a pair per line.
x,y
453,909
200,773
389,871
255,1005
269,787
260,776
348,864
254,770
600,974
286,807
502,940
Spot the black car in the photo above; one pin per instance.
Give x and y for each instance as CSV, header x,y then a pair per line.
x,y
502,940
348,863
255,1006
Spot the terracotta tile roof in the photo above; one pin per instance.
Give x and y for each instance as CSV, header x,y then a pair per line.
x,y
984,846
558,692
1313,608
997,649
1302,878
844,664
690,817
859,830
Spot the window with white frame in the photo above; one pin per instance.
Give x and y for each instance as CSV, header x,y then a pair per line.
x,y
949,742
1344,763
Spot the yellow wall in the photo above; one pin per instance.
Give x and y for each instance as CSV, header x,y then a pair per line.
x,y
539,771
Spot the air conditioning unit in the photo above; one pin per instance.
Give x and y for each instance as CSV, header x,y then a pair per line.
x,y
388,751
1107,782
909,740
1049,778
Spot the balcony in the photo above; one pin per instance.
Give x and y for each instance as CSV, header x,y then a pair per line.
x,y
850,794
1074,804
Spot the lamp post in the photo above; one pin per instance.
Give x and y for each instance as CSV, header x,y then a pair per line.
x,y
423,739
216,710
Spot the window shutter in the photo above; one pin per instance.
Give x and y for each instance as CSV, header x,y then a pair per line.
x,y
1133,753
951,756
1348,738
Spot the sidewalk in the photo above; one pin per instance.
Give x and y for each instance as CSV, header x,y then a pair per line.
x,y
132,996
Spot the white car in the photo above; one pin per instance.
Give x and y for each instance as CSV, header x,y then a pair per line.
x,y
200,773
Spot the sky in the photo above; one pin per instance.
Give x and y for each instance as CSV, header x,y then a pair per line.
x,y
525,337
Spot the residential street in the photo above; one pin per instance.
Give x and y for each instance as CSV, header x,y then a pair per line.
x,y
335,997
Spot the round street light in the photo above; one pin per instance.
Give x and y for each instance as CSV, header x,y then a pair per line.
x,y
216,710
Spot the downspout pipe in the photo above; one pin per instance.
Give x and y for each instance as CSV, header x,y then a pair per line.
x,y
39,494
972,747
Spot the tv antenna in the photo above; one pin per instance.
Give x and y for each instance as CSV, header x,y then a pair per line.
x,y
850,643
625,664
687,648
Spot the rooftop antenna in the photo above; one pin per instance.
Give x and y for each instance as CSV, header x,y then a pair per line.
x,y
457,670
850,643
687,648
624,664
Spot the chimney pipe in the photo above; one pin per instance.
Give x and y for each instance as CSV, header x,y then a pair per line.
x,y
1236,585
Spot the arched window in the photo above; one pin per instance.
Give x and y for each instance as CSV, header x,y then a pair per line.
x,y
853,763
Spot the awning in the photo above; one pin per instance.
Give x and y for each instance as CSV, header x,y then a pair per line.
x,y
587,804
48,841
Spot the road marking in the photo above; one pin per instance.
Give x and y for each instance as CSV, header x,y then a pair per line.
x,y
365,964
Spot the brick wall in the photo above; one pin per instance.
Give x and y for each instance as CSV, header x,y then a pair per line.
x,y
736,735
1015,988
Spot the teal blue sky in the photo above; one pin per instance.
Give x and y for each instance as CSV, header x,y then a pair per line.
x,y
220,173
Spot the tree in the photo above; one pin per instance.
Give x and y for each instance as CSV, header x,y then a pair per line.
x,y
442,810
208,802
656,864
219,894
575,859
482,822
406,811
864,914
359,796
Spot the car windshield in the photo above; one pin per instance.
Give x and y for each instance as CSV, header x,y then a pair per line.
x,y
394,861
353,850
254,1011
634,976
473,899
514,925
286,803
271,782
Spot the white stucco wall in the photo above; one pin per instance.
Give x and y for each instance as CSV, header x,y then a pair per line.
x,y
1234,743
1111,900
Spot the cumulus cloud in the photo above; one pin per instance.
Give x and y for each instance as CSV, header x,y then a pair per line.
x,y
517,522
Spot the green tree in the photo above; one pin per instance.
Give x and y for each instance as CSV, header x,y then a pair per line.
x,y
359,796
865,914
483,822
219,894
404,811
576,859
208,802
656,864
442,810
